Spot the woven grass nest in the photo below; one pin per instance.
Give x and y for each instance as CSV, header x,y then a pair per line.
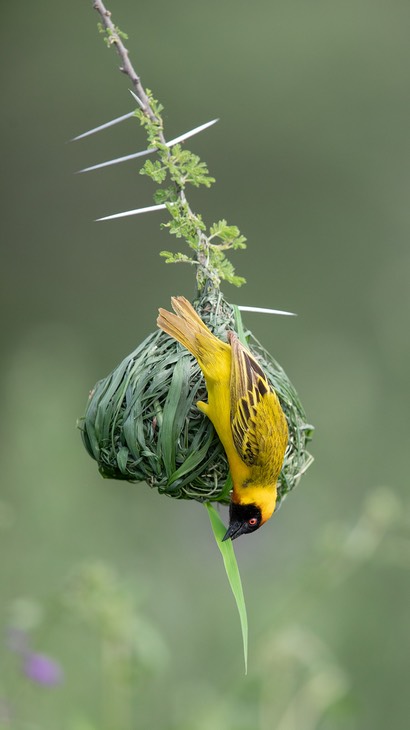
x,y
142,423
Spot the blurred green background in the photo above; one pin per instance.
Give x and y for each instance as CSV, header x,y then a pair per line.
x,y
123,588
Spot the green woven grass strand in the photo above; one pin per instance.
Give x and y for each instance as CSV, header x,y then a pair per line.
x,y
142,422
232,572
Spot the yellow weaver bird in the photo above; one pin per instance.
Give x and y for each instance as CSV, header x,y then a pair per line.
x,y
244,410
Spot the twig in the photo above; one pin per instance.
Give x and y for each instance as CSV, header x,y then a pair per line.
x,y
126,67
213,266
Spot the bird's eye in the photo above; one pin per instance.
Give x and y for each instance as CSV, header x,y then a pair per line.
x,y
252,522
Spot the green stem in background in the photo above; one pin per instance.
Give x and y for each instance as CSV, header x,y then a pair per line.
x,y
232,571
174,169
117,689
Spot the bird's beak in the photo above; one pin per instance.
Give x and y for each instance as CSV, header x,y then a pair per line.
x,y
233,531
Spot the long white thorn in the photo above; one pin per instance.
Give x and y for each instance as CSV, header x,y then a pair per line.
x,y
104,126
137,99
191,132
117,160
266,311
133,156
132,212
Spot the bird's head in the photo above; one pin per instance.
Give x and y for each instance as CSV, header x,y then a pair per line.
x,y
250,512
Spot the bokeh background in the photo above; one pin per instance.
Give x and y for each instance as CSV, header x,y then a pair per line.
x,y
115,610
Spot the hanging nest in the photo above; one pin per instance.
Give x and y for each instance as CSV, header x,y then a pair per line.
x,y
142,422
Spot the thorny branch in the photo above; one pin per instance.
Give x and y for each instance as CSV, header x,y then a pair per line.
x,y
128,69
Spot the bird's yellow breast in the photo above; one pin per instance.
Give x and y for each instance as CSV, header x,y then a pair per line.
x,y
218,410
251,484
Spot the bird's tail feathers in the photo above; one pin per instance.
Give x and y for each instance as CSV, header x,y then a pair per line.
x,y
187,327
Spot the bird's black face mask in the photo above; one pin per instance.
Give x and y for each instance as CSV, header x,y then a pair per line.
x,y
243,518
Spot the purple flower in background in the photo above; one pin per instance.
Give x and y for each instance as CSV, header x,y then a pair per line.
x,y
42,669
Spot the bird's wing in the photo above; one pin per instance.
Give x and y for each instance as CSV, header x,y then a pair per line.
x,y
259,427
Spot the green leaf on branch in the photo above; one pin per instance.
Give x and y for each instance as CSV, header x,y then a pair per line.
x,y
229,236
183,168
165,195
111,35
187,168
184,223
227,272
175,258
155,170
